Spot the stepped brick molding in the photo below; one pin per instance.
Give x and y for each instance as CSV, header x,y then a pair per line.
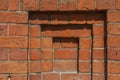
x,y
59,39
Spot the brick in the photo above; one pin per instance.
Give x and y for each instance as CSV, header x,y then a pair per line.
x,y
117,4
75,76
113,67
18,54
113,77
98,54
46,54
65,54
113,16
3,77
4,4
69,43
19,77
14,17
46,66
51,76
35,77
113,28
86,5
29,5
35,31
3,30
13,42
39,18
66,5
84,54
18,30
105,4
35,43
35,54
57,31
4,53
114,53
113,41
85,43
35,66
15,68
98,42
65,66
61,18
98,77
98,30
84,67
48,5
13,4
98,69
46,43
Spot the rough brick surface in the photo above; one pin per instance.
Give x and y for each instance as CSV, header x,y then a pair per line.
x,y
57,39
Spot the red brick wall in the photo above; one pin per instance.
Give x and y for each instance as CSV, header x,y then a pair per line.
x,y
57,39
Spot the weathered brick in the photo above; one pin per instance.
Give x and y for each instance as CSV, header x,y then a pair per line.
x,y
98,42
113,41
13,67
46,66
4,53
113,28
35,43
51,76
46,54
117,4
3,77
114,53
113,77
98,69
13,42
113,16
85,43
19,77
75,76
113,67
46,43
35,77
86,4
64,5
84,67
14,4
48,5
105,4
4,4
35,66
29,5
65,66
18,54
98,77
14,17
65,54
98,54
35,54
18,30
3,30
35,31
98,30
84,54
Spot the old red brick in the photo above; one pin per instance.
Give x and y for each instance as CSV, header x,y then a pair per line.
x,y
46,66
4,77
114,53
86,4
113,28
105,4
113,41
98,54
65,54
35,77
113,77
14,4
113,67
98,69
46,43
84,54
4,53
4,4
16,67
65,66
98,77
3,30
98,30
35,31
117,4
18,30
35,66
46,54
13,42
113,16
48,5
29,5
64,5
35,54
84,67
35,43
98,42
14,17
85,43
51,76
19,77
18,54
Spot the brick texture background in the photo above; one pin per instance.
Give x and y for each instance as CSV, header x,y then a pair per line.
x,y
55,39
